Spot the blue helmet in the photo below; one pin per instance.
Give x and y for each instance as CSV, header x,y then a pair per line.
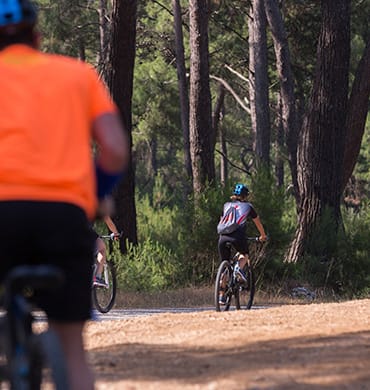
x,y
17,13
241,190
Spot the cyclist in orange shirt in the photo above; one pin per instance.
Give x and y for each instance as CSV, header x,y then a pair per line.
x,y
51,109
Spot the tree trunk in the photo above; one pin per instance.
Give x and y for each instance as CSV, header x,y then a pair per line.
x,y
357,112
279,161
201,132
283,65
183,85
122,57
320,153
259,98
104,38
217,117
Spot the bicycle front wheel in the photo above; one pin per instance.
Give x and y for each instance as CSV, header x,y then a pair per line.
x,y
223,286
244,294
104,297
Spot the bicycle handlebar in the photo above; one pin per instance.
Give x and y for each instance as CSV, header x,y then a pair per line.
x,y
112,236
257,239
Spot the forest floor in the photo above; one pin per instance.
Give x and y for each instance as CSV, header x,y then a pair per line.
x,y
285,346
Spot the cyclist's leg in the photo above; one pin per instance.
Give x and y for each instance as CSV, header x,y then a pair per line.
x,y
69,307
224,251
243,260
101,255
241,245
70,335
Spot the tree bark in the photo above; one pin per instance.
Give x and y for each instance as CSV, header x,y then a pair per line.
x,y
279,160
259,98
283,65
122,58
320,152
183,85
201,132
217,117
357,113
104,36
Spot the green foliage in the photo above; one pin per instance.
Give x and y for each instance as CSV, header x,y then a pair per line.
x,y
345,271
149,266
178,245
70,27
178,240
200,218
156,216
269,202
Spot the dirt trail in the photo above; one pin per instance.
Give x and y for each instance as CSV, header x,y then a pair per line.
x,y
313,346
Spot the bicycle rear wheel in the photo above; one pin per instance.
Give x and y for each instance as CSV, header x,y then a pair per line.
x,y
223,286
244,294
104,297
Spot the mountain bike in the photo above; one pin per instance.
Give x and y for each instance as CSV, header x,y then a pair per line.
x,y
229,284
104,296
29,359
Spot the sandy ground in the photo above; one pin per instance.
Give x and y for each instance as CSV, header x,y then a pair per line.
x,y
302,346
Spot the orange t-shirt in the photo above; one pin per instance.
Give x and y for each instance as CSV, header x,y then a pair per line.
x,y
47,106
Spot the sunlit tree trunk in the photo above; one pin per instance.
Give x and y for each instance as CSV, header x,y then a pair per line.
x,y
122,58
183,85
259,98
202,154
279,160
283,65
217,117
104,27
358,107
320,153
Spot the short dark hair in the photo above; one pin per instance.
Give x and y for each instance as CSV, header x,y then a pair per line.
x,y
25,36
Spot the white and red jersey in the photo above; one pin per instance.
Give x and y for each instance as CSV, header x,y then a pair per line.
x,y
243,211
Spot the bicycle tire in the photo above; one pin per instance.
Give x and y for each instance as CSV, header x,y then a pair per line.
x,y
104,297
244,293
224,276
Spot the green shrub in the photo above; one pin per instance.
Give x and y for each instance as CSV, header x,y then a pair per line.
x,y
345,270
148,266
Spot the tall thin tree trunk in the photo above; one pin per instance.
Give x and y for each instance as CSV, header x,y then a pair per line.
x,y
218,113
358,107
259,98
122,59
283,65
183,85
279,161
104,27
201,136
217,117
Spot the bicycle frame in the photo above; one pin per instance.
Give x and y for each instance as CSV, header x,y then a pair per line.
x,y
26,352
104,296
232,287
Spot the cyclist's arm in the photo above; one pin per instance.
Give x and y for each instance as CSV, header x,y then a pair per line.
x,y
260,228
111,225
111,138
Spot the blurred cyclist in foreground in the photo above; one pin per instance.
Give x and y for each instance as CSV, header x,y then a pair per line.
x,y
51,109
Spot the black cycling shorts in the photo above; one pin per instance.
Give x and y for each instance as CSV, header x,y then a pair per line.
x,y
51,233
237,239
